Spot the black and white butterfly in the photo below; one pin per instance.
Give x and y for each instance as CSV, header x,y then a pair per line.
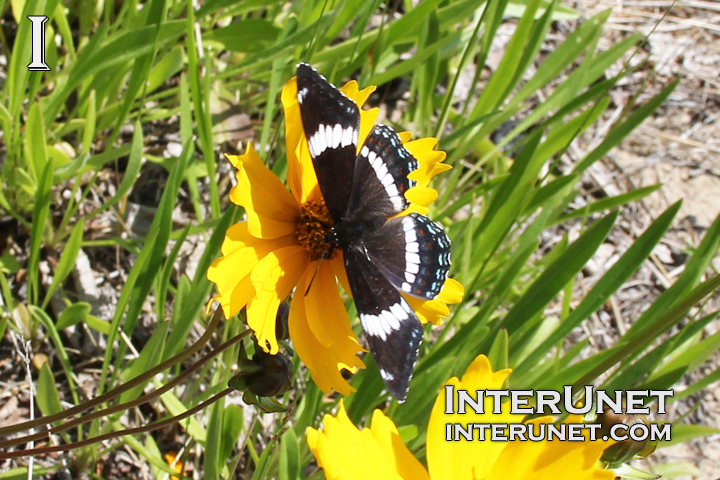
x,y
383,256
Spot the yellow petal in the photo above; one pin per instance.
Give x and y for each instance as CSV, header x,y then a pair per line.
x,y
352,90
421,195
273,277
406,136
231,272
301,174
466,460
347,453
434,310
234,297
452,291
323,361
367,117
338,266
428,311
387,435
271,210
550,460
326,313
429,160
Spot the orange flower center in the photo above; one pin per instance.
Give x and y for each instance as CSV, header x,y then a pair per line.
x,y
311,229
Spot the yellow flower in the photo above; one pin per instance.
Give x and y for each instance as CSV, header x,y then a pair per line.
x,y
275,250
347,453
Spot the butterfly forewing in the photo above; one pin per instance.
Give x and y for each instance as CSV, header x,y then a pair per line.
x,y
392,330
331,122
381,171
413,253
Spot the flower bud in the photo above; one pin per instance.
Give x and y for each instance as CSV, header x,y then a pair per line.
x,y
625,450
264,375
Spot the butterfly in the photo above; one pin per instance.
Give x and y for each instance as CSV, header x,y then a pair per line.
x,y
364,189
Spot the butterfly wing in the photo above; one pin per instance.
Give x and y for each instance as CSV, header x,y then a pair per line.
x,y
362,191
392,330
331,122
413,253
381,171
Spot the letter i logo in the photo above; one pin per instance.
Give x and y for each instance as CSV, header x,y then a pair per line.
x,y
38,43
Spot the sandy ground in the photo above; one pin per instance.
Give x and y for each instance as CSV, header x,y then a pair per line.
x,y
680,148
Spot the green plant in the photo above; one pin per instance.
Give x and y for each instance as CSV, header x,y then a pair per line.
x,y
135,66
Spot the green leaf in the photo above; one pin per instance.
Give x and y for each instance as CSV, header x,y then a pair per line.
x,y
67,260
620,131
86,163
692,358
678,292
685,433
628,347
190,424
132,170
150,356
213,463
498,354
512,196
9,264
141,64
90,124
59,348
247,35
607,285
628,374
34,143
264,463
676,469
48,398
558,274
168,66
148,263
232,427
701,384
21,473
165,277
41,211
610,203
72,315
125,46
500,82
289,465
4,114
418,60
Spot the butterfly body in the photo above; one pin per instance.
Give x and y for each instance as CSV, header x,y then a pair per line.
x,y
386,252
351,232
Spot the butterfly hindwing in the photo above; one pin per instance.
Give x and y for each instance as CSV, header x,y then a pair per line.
x,y
413,253
331,122
392,330
381,171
